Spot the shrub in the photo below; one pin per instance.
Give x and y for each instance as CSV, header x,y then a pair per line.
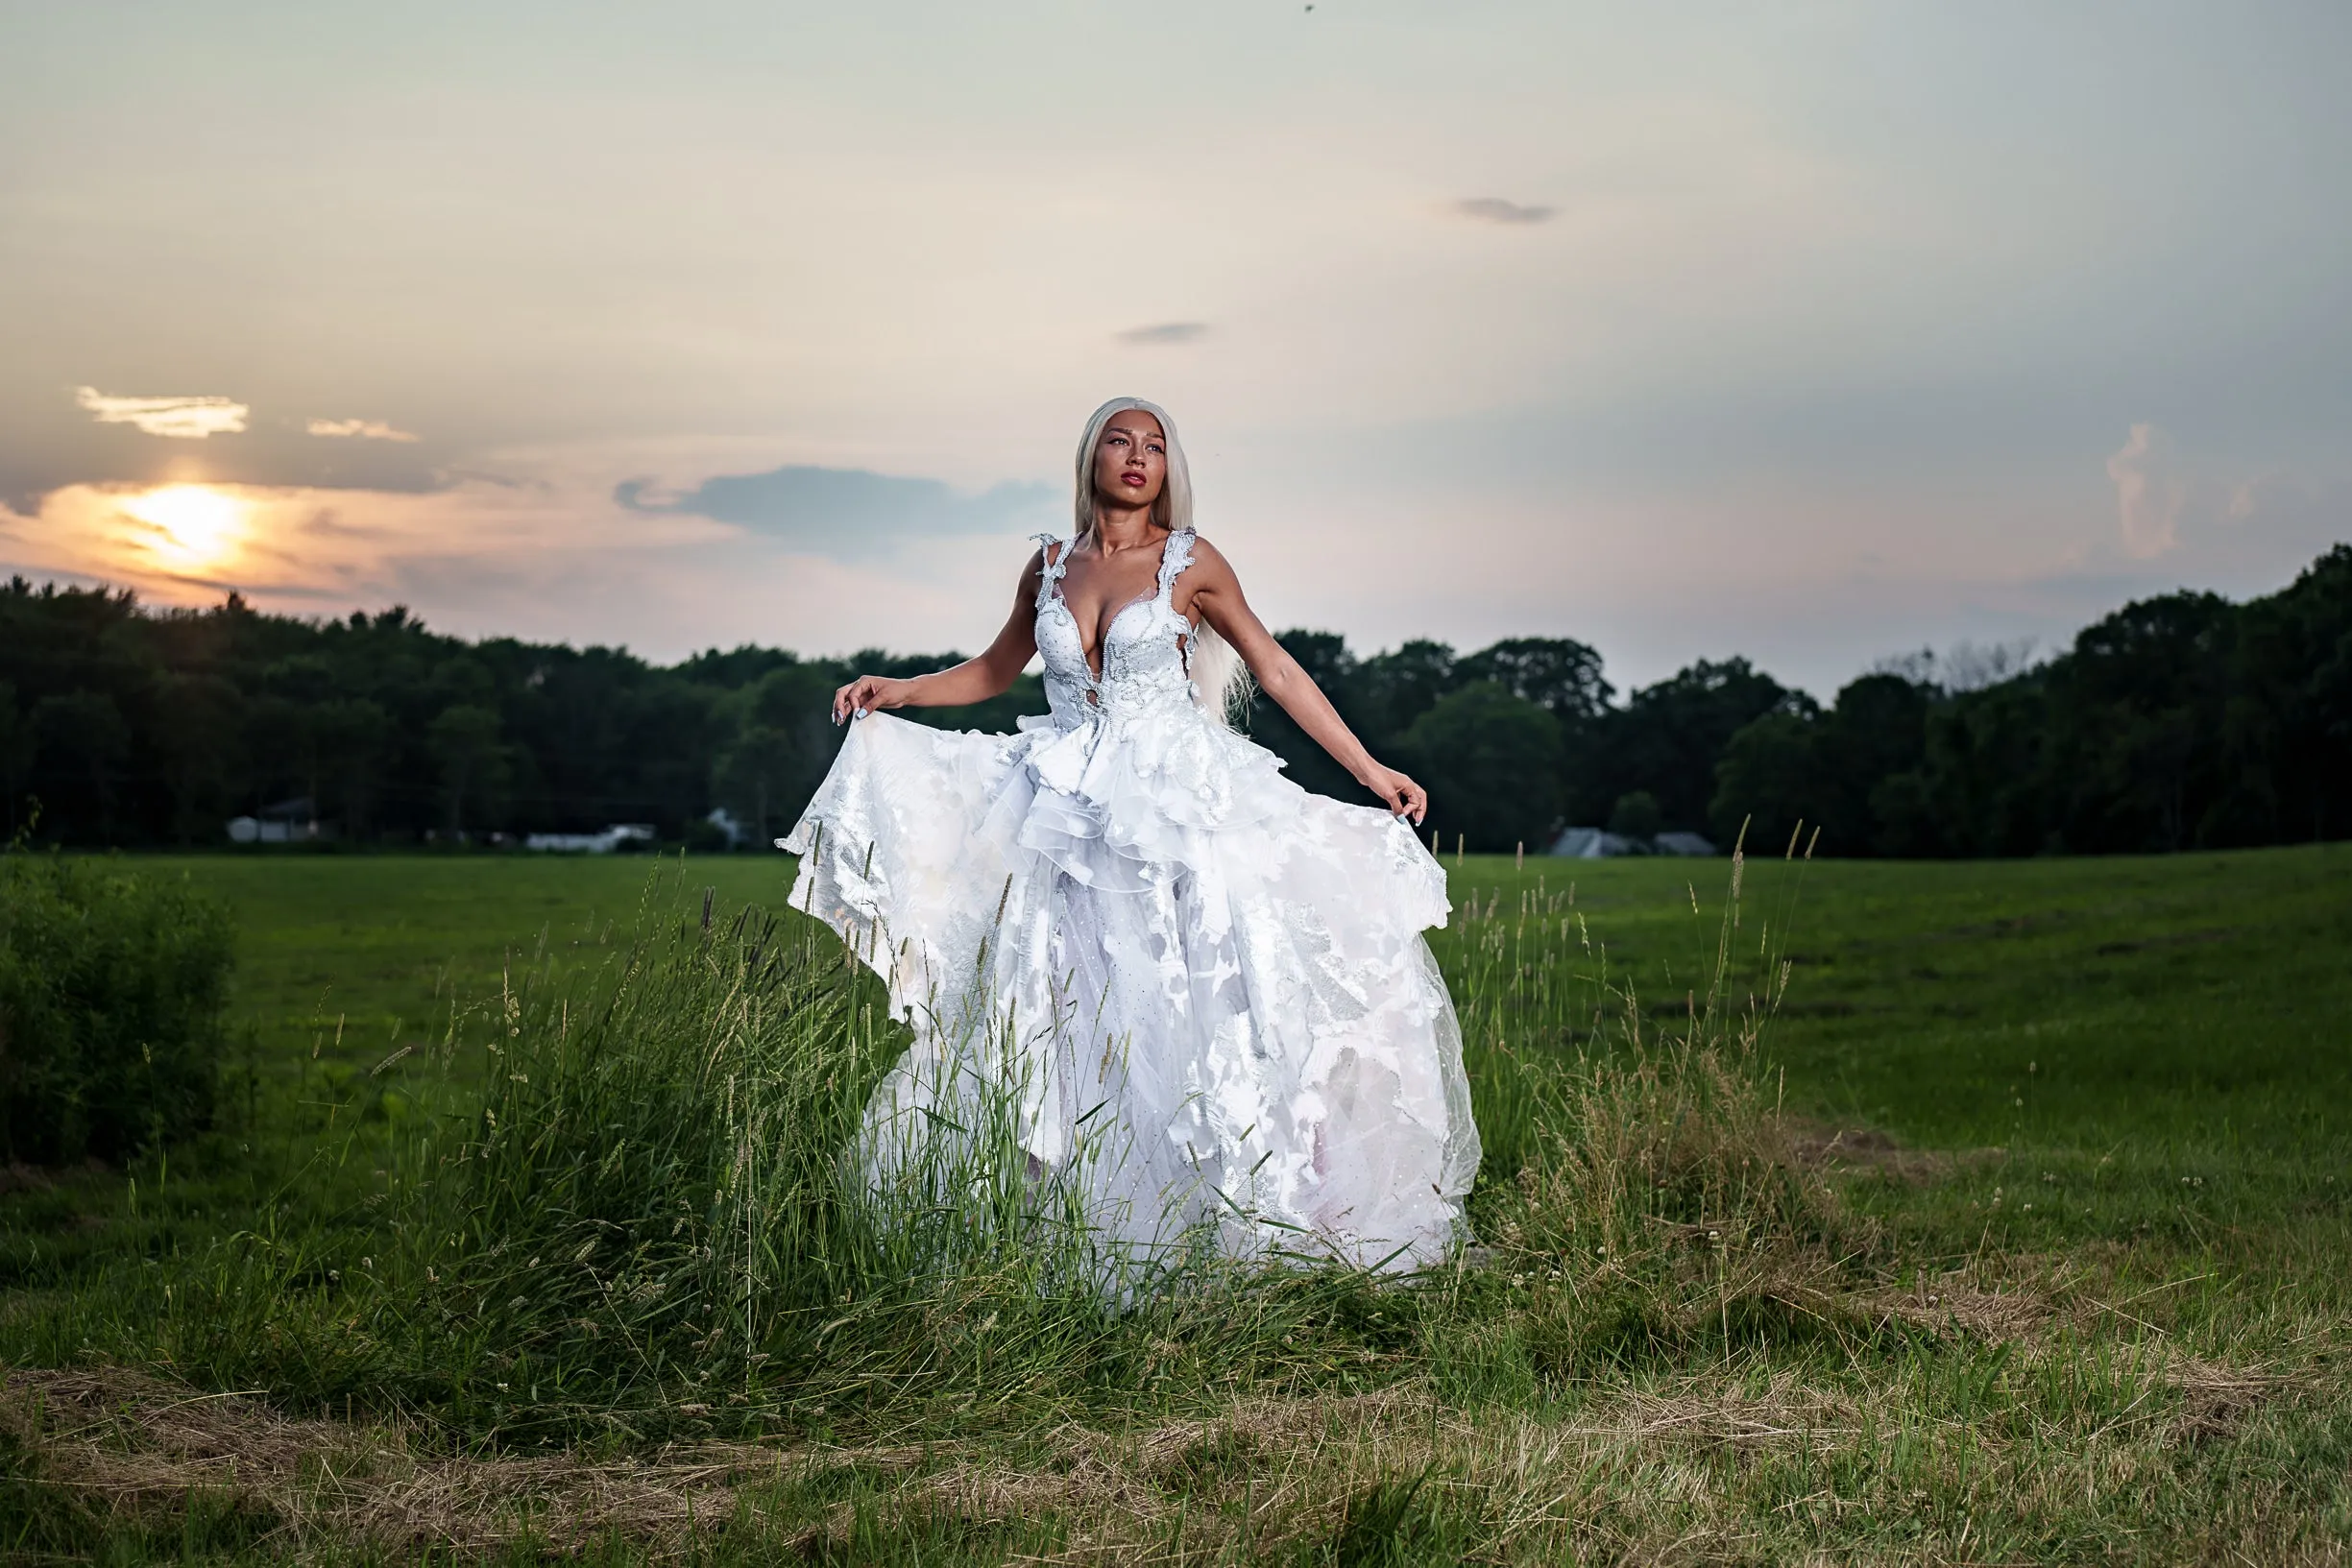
x,y
1636,815
112,993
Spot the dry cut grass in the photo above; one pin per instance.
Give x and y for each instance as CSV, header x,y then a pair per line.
x,y
1741,1462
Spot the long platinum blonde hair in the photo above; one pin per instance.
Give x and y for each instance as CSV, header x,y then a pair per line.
x,y
1221,681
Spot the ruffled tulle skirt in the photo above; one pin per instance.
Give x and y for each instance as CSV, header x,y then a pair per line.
x,y
1194,993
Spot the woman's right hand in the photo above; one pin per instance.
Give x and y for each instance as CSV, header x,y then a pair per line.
x,y
868,694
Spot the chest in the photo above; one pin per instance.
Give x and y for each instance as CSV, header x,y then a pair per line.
x,y
1105,616
1095,593
1129,638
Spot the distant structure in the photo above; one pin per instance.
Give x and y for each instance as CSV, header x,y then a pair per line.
x,y
1591,844
725,821
603,843
1600,844
288,822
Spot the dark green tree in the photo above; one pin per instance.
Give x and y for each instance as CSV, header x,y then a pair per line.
x,y
759,776
1556,673
81,753
1771,777
1327,663
1792,767
474,768
1392,689
352,736
1668,737
2137,709
783,740
197,735
2178,722
2286,735
1490,763
1636,816
16,753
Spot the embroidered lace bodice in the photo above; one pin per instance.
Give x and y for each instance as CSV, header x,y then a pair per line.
x,y
1145,643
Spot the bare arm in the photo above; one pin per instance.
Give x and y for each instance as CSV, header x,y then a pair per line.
x,y
976,680
1217,599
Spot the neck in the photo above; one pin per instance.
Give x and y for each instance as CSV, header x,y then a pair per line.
x,y
1119,528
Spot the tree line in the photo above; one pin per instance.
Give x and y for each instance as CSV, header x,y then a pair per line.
x,y
2178,722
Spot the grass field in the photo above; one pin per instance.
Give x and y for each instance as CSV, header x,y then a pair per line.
x,y
2058,1270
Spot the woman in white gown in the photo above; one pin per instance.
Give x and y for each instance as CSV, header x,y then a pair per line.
x,y
1201,993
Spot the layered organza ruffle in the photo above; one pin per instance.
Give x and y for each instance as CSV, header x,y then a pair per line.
x,y
1124,803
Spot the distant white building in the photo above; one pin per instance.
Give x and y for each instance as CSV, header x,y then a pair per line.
x,y
1592,844
603,843
1600,844
288,822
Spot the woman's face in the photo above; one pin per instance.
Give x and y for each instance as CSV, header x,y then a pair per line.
x,y
1131,461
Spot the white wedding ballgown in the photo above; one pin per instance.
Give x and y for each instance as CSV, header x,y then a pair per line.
x,y
1202,993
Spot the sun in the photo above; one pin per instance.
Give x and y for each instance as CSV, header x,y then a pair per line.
x,y
195,525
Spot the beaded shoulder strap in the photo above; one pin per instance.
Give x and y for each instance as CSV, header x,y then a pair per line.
x,y
1056,563
1175,556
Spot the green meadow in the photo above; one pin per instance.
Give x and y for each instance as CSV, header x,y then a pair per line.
x,y
2195,1009
1990,1212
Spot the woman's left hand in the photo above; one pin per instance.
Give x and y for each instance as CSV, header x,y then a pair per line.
x,y
1404,797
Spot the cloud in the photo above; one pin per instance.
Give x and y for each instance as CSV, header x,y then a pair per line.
x,y
848,514
2150,493
182,418
362,429
1495,209
1166,332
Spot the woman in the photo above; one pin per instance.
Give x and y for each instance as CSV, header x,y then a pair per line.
x,y
1198,996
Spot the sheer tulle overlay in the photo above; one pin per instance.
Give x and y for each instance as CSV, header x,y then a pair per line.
x,y
1197,993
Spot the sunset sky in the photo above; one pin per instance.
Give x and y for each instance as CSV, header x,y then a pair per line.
x,y
1818,331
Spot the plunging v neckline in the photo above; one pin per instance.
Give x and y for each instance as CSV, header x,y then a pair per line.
x,y
1096,660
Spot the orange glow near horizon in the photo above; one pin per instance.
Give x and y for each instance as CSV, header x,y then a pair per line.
x,y
196,526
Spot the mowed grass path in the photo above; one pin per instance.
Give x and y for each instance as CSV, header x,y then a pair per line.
x,y
2200,1005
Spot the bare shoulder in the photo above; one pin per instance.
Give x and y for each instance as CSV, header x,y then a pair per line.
x,y
1032,573
1209,564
